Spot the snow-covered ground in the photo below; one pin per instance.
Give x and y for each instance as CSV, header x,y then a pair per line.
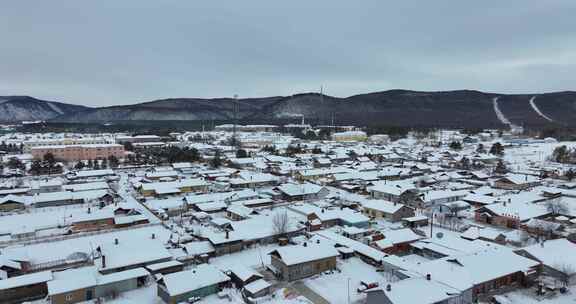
x,y
521,157
335,287
526,296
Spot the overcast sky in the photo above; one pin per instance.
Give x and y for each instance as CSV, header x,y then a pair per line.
x,y
107,52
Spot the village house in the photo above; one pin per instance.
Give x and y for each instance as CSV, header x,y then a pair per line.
x,y
12,203
556,258
483,273
517,182
404,291
392,192
397,241
162,189
300,261
302,192
200,281
510,214
24,288
381,209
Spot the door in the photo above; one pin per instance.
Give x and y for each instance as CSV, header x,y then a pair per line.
x,y
89,294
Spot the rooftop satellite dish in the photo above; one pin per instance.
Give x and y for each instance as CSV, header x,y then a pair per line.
x,y
439,235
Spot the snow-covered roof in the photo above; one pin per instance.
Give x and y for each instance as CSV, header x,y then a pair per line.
x,y
418,290
382,206
198,248
257,286
203,275
25,280
297,254
72,279
299,189
558,254
132,251
242,272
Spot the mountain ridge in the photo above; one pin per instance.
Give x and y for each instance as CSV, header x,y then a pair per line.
x,y
455,108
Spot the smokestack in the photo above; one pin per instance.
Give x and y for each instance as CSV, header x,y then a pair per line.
x,y
428,277
103,261
388,287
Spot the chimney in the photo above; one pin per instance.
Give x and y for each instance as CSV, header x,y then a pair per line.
x,y
116,241
428,277
103,261
388,287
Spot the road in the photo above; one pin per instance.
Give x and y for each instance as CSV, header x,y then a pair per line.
x,y
124,192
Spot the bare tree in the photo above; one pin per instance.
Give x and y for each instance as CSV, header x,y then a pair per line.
x,y
281,223
557,206
566,271
548,229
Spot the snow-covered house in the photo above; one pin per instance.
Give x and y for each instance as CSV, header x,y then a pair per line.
x,y
200,281
381,209
300,261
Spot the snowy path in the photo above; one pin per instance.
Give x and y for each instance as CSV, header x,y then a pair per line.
x,y
55,108
537,110
124,192
308,293
501,117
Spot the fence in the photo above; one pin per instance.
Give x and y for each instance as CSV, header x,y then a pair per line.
x,y
48,239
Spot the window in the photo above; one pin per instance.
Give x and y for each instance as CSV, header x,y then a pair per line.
x,y
69,297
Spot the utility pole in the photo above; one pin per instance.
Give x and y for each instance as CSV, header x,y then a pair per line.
x,y
234,139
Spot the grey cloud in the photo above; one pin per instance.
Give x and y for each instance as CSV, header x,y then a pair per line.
x,y
117,52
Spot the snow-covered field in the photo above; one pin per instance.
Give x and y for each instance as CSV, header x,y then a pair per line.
x,y
520,157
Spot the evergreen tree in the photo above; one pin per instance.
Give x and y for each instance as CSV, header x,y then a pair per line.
x,y
481,148
79,165
216,161
455,145
15,163
500,167
113,161
36,167
570,174
241,153
497,149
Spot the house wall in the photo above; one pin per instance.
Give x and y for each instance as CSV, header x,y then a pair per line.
x,y
75,153
303,270
393,217
58,203
11,206
94,225
116,288
24,293
498,286
182,298
228,248
75,296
